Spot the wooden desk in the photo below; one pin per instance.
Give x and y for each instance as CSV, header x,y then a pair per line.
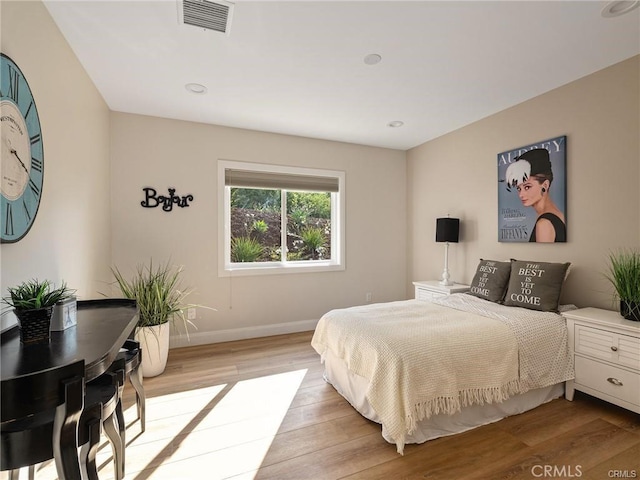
x,y
102,328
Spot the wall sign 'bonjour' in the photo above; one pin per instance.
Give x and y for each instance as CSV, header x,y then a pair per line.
x,y
153,200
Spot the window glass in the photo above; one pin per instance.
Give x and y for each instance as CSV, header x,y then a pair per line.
x,y
255,225
276,219
308,226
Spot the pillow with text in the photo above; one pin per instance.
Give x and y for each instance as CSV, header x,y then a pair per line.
x,y
536,285
491,280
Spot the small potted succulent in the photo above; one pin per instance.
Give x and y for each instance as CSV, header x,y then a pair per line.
x,y
33,303
624,275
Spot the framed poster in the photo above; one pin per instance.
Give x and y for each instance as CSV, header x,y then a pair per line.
x,y
532,192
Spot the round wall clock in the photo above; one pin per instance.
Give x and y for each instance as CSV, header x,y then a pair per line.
x,y
22,153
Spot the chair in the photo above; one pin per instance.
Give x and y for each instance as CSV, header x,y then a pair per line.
x,y
100,415
40,414
131,355
131,352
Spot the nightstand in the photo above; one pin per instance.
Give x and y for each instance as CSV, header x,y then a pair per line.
x,y
606,351
432,288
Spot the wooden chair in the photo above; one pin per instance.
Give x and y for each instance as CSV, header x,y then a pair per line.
x,y
109,417
131,352
40,414
100,415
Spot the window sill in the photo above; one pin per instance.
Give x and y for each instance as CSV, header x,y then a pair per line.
x,y
277,268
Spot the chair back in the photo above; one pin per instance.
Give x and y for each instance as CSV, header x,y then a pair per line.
x,y
41,391
32,404
132,354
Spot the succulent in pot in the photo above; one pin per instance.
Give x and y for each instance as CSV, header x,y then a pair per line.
x,y
32,302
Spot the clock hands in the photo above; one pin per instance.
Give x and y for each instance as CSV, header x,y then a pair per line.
x,y
13,150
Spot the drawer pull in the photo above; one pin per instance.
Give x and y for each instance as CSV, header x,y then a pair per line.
x,y
614,381
615,349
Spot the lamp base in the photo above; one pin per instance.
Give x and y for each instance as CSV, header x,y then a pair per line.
x,y
446,278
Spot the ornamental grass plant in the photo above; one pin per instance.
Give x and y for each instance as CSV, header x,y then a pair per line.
x,y
624,274
158,293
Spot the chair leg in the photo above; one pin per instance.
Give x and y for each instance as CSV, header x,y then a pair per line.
x,y
14,474
65,430
32,472
122,431
112,432
136,381
88,450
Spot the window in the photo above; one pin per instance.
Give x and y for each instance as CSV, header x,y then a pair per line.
x,y
276,219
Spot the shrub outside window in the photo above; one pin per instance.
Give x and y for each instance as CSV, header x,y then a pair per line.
x,y
277,219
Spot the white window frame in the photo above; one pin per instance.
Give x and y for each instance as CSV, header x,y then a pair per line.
x,y
227,268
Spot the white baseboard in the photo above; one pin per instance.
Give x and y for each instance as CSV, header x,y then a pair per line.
x,y
204,338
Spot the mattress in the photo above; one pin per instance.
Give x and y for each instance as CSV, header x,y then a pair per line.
x,y
429,369
353,388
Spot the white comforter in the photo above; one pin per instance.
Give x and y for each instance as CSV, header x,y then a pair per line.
x,y
424,358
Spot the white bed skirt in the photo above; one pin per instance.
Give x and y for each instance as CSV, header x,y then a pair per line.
x,y
353,388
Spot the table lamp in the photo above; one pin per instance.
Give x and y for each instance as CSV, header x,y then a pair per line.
x,y
447,231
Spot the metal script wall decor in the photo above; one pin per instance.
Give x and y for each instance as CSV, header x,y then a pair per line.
x,y
153,200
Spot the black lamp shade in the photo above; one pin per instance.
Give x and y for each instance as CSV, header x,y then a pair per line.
x,y
447,229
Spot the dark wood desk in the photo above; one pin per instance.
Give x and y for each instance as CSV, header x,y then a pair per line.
x,y
102,328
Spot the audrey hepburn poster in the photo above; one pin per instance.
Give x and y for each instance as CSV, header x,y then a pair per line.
x,y
532,192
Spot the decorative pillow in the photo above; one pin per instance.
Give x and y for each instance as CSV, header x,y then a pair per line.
x,y
536,285
491,280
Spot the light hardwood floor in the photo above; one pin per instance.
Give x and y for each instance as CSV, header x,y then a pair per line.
x,y
260,409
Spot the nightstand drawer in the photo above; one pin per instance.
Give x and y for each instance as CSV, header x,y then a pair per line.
x,y
427,291
607,379
426,295
610,346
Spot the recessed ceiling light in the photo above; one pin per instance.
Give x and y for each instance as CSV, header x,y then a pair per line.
x,y
372,59
196,88
395,124
618,7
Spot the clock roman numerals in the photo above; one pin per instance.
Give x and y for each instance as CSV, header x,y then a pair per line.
x,y
28,109
26,209
36,164
34,187
36,138
8,221
14,84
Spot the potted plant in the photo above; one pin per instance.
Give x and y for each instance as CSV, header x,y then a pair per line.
x,y
33,303
624,275
161,302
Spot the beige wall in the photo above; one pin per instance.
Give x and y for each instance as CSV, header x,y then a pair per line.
x,y
456,174
70,237
162,153
78,233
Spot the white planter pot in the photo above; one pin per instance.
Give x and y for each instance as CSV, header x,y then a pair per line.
x,y
155,348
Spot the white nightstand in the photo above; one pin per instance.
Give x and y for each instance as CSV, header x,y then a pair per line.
x,y
432,288
606,350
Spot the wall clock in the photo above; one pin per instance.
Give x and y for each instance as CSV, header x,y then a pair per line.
x,y
22,153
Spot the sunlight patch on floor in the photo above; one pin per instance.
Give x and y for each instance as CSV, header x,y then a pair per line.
x,y
224,431
230,428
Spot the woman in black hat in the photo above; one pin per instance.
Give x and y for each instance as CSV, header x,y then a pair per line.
x,y
531,175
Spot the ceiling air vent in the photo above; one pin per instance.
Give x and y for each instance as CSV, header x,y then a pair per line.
x,y
214,16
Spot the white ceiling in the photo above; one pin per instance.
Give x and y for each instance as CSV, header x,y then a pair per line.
x,y
298,67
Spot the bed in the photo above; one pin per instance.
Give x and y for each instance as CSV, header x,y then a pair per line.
x,y
426,369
